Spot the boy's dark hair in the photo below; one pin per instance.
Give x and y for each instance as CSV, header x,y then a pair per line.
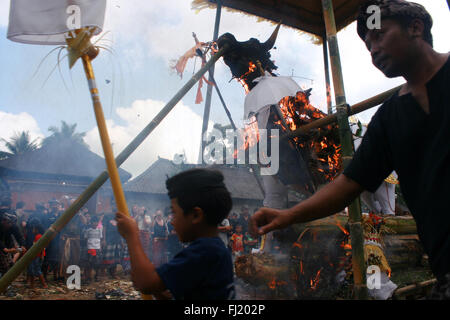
x,y
404,12
203,188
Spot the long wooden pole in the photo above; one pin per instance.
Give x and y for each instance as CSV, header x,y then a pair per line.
x,y
208,98
70,212
111,166
354,209
356,108
326,65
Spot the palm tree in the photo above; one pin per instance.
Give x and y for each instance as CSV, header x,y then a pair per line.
x,y
19,144
65,134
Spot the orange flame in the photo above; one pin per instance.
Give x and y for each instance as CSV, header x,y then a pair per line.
x,y
251,68
342,228
249,136
298,111
315,281
272,284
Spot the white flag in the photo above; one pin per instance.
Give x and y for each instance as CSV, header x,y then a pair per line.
x,y
48,21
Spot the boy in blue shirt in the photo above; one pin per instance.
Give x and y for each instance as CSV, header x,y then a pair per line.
x,y
203,270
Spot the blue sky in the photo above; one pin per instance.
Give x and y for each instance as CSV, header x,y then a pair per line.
x,y
145,37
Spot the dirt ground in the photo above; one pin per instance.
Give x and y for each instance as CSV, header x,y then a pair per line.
x,y
104,289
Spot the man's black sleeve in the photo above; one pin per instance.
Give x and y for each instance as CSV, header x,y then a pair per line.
x,y
371,163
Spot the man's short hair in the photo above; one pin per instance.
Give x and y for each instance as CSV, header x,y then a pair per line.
x,y
203,188
404,12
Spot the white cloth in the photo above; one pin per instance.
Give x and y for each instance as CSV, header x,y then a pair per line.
x,y
47,21
383,199
269,90
224,235
386,289
276,193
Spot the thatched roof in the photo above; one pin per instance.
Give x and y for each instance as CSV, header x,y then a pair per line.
x,y
69,160
304,15
239,180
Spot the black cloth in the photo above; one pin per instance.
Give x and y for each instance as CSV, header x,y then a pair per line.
x,y
111,232
402,137
159,231
243,221
173,243
6,240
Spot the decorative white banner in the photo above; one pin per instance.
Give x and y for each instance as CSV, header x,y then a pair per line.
x,y
48,21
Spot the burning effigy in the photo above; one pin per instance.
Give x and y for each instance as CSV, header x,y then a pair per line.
x,y
319,260
276,102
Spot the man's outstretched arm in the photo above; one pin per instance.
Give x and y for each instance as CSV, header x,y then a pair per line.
x,y
332,198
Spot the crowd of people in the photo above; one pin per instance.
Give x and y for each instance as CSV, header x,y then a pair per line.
x,y
92,242
235,234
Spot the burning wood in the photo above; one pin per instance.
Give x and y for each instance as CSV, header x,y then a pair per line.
x,y
261,269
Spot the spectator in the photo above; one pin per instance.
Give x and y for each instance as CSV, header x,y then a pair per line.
x,y
173,243
93,236
34,269
244,218
237,241
224,231
159,234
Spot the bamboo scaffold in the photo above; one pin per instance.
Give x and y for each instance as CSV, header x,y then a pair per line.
x,y
354,209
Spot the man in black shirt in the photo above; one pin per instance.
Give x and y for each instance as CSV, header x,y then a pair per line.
x,y
409,133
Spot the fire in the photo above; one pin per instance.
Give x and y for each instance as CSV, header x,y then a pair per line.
x,y
272,284
301,267
342,228
297,111
251,69
315,280
249,136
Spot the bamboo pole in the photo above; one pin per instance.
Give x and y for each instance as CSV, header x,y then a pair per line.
x,y
111,166
326,65
354,209
207,110
413,288
70,212
356,108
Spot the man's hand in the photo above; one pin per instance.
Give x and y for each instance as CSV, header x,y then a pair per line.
x,y
268,219
126,225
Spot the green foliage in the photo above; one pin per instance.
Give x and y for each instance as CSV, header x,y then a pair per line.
x,y
18,144
65,134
